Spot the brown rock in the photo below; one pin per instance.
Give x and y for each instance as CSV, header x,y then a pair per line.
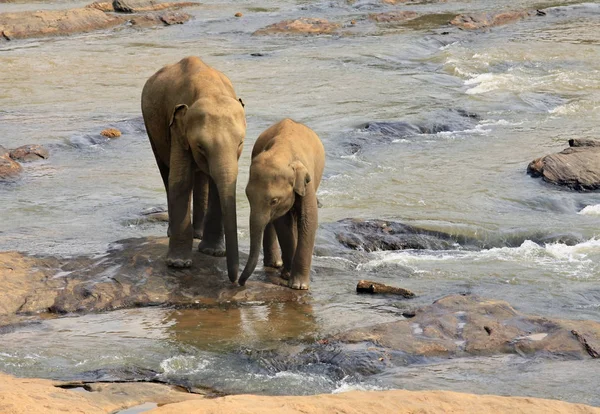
x,y
302,25
367,286
142,6
27,153
576,167
102,6
393,16
21,25
131,275
485,20
111,133
8,167
238,14
458,325
153,19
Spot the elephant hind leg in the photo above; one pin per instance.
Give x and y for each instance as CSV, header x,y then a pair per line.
x,y
272,256
213,239
200,203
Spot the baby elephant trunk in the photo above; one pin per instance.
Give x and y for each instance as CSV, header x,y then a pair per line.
x,y
257,228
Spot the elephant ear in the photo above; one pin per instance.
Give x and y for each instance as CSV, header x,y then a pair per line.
x,y
177,124
302,177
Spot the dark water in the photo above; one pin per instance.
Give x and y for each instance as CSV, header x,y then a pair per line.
x,y
420,126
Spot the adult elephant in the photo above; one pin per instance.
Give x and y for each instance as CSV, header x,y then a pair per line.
x,y
286,169
197,126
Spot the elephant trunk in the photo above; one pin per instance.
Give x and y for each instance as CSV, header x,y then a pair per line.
x,y
226,185
257,228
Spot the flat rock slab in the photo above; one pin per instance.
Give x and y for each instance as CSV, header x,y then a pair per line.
x,y
28,153
576,167
393,16
131,274
301,26
27,395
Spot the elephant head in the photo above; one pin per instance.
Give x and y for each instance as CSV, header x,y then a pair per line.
x,y
213,130
271,191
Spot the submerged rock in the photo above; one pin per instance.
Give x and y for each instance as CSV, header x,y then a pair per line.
x,y
368,286
154,19
303,25
485,20
28,153
374,235
393,16
131,274
576,167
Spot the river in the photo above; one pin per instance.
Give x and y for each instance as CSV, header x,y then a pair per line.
x,y
487,102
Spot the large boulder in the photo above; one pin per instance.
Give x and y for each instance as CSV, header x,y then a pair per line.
x,y
576,167
303,25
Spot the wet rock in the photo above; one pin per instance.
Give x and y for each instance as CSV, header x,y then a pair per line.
x,y
468,325
8,167
136,6
102,6
26,24
28,153
154,19
238,14
131,274
393,16
486,20
368,286
303,25
576,167
111,133
374,235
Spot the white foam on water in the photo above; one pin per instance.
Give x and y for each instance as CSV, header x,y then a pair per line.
x,y
345,386
593,210
183,364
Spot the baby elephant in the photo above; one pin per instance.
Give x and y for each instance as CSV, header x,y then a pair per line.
x,y
287,165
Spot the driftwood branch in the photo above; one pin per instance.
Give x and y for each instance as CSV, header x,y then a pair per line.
x,y
367,286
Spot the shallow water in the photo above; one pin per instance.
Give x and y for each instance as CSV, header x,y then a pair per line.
x,y
489,102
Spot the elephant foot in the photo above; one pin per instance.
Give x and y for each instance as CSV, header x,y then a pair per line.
x,y
212,249
285,274
299,283
198,234
178,263
275,264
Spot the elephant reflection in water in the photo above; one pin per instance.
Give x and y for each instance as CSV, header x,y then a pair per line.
x,y
227,328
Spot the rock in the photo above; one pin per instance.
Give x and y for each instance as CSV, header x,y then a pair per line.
x,y
375,235
303,25
153,19
367,286
26,24
102,6
393,16
576,167
27,395
8,167
468,325
485,20
238,14
111,133
132,274
28,153
139,6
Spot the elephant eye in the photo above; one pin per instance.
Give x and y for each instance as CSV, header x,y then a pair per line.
x,y
274,201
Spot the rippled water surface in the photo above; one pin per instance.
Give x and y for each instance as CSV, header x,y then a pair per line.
x,y
486,103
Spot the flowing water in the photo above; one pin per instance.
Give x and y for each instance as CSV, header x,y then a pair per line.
x,y
478,106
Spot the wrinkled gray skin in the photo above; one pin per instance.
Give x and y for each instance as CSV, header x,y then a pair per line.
x,y
287,165
197,127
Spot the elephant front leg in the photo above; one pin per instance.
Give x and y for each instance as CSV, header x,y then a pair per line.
x,y
213,240
272,256
180,190
287,235
307,222
200,203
